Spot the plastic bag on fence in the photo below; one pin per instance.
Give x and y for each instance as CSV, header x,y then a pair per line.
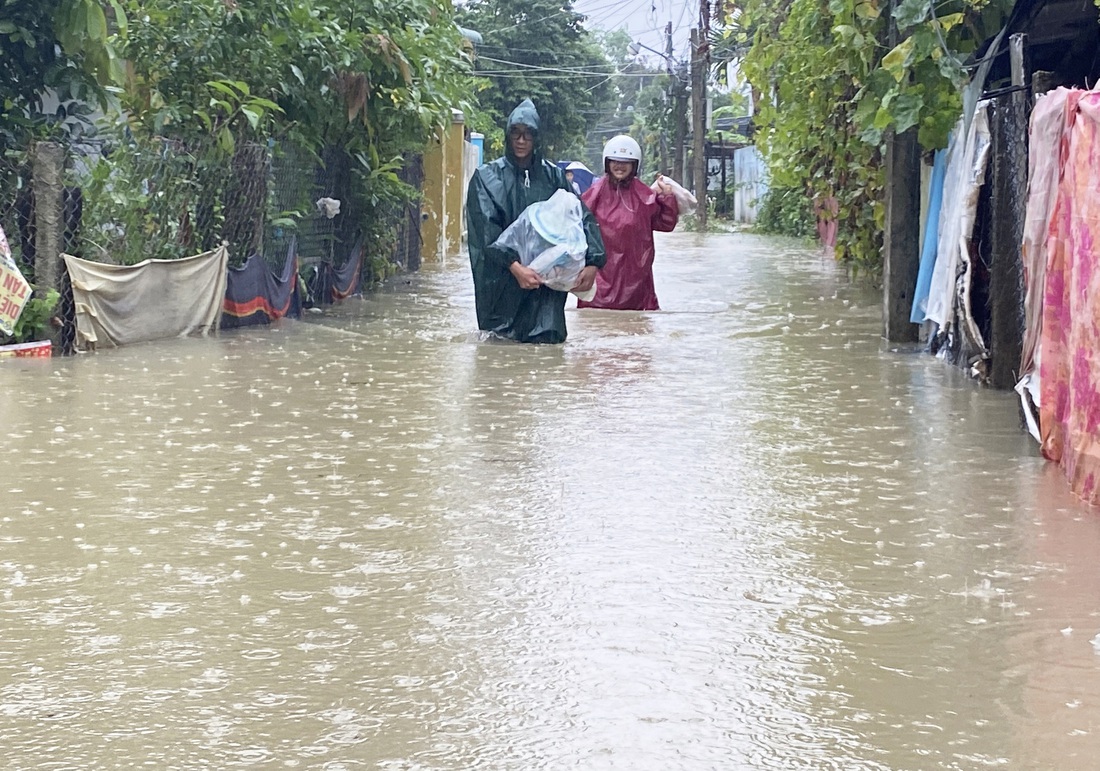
x,y
685,201
549,239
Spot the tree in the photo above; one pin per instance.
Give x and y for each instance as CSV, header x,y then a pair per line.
x,y
352,85
370,76
539,50
637,104
831,79
61,46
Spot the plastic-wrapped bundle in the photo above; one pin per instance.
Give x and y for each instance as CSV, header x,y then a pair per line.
x,y
549,239
685,201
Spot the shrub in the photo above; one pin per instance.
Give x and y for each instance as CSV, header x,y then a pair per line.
x,y
786,211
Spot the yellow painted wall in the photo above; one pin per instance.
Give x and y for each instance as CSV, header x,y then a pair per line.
x,y
431,222
441,228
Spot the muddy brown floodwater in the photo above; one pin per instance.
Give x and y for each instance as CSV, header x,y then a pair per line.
x,y
739,533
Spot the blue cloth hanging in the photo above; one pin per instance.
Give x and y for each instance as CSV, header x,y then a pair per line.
x,y
931,236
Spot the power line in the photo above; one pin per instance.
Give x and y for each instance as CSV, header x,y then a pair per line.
x,y
605,13
578,68
533,70
552,74
603,10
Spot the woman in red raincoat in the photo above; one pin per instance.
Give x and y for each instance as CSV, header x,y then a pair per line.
x,y
628,211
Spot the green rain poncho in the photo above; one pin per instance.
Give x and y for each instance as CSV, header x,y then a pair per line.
x,y
498,194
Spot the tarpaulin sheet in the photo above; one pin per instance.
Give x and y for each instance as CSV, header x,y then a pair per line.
x,y
328,284
1048,122
949,291
124,304
1069,371
255,295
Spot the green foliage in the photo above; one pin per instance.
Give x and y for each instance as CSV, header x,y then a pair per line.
x,y
231,106
34,323
919,79
786,211
830,86
538,49
808,127
145,198
58,45
357,85
690,223
654,123
369,76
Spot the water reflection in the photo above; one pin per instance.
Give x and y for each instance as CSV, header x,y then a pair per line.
x,y
736,533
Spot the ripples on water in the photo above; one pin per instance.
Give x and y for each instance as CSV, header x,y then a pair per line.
x,y
735,534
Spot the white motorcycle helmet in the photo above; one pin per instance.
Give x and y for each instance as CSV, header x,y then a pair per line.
x,y
622,148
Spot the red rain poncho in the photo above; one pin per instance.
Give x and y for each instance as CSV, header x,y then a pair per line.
x,y
627,217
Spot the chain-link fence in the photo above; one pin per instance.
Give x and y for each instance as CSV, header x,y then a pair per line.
x,y
16,211
122,202
165,199
407,249
168,200
19,219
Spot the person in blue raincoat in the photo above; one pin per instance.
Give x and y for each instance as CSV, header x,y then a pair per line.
x,y
511,300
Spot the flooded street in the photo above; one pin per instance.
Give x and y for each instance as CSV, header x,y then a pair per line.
x,y
739,533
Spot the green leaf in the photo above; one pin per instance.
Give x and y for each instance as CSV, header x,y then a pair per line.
x,y
895,61
951,20
253,117
849,35
925,43
951,70
883,119
867,10
910,12
225,140
224,87
120,17
298,73
97,23
906,111
267,104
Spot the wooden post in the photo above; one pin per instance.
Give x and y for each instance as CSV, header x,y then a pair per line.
x,y
901,258
722,153
1009,190
699,125
679,115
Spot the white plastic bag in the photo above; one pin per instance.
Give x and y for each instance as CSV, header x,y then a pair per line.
x,y
549,238
685,201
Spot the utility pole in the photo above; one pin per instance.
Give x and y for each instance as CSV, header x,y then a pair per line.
x,y
679,115
677,102
699,120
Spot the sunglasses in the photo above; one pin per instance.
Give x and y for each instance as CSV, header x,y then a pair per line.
x,y
520,134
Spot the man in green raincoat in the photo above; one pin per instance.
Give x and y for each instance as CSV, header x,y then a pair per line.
x,y
511,300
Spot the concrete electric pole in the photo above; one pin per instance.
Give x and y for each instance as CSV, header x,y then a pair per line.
x,y
699,121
